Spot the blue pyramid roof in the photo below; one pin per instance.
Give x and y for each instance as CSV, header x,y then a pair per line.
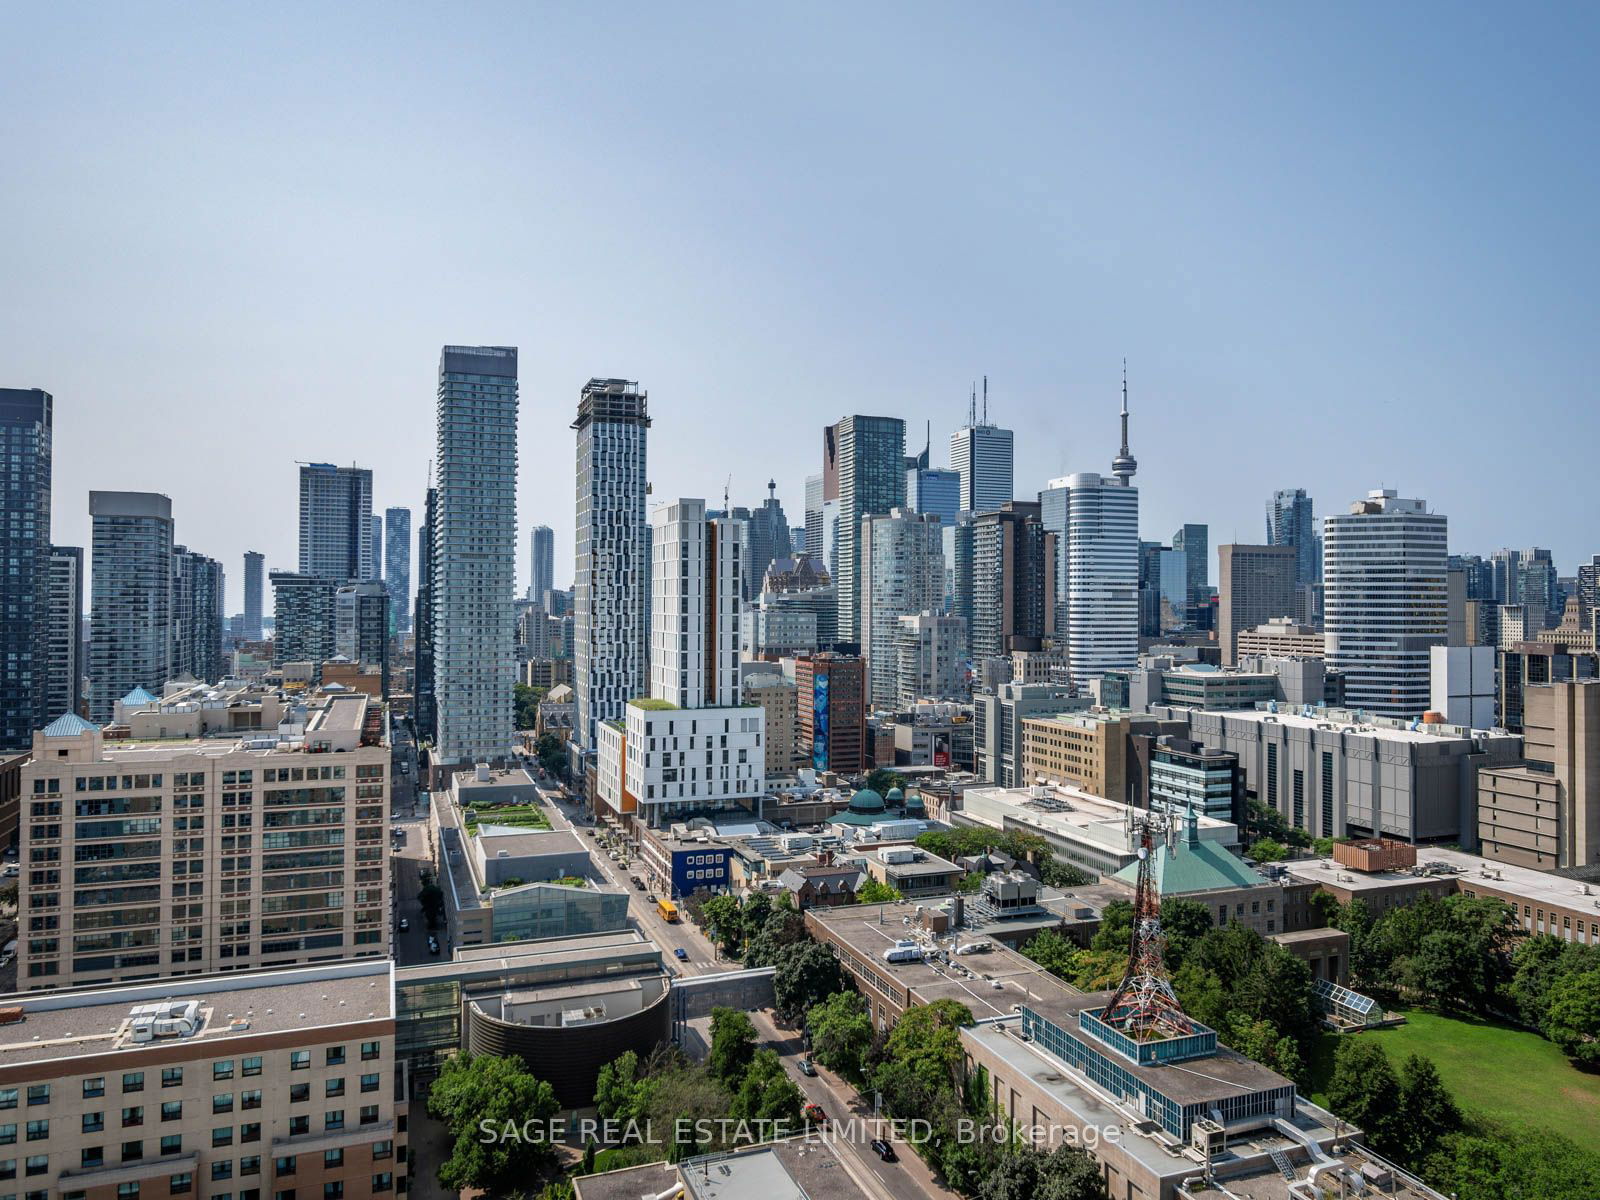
x,y
69,725
138,696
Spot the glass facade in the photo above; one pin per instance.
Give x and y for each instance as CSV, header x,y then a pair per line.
x,y
541,910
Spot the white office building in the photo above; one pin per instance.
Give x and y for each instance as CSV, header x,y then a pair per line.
x,y
610,633
1464,685
1102,575
474,618
902,562
982,455
691,746
1383,574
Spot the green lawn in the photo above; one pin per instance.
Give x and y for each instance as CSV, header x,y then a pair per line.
x,y
519,816
1494,1070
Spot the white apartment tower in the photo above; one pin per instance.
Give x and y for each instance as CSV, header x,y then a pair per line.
x,y
475,558
611,571
690,747
902,564
982,455
336,522
1383,574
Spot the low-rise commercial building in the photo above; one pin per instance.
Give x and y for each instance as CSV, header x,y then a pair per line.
x,y
1091,750
1000,714
913,872
798,1167
1280,637
1546,814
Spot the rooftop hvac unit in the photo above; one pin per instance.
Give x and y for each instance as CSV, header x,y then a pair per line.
x,y
169,1019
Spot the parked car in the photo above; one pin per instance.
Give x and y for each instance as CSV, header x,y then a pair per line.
x,y
806,1068
814,1113
883,1149
681,953
433,944
405,924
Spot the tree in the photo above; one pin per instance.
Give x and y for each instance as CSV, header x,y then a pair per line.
x,y
1261,1041
1430,1111
733,1045
927,1037
784,928
552,755
724,922
766,1093
1184,922
1053,952
616,1088
1573,1021
805,973
841,1032
1116,927
753,916
1365,1091
1065,1173
1268,850
431,897
1447,971
1062,875
883,780
475,1092
970,883
1095,970
874,892
525,705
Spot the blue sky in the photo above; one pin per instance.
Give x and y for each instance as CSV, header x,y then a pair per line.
x,y
1340,246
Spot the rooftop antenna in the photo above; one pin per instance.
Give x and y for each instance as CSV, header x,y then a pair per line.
x,y
726,511
972,407
985,399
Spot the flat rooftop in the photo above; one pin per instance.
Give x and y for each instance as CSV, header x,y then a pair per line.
x,y
72,1024
1343,720
1468,870
798,1168
496,960
924,864
870,929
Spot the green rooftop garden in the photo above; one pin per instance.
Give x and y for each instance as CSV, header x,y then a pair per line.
x,y
518,816
651,704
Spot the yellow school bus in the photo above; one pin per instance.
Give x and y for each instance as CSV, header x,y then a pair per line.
x,y
668,911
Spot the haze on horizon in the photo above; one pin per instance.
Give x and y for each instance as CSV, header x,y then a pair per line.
x,y
1341,248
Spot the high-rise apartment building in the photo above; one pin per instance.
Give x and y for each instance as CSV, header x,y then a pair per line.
x,y
375,552
361,625
302,618
1383,573
183,851
424,702
397,566
1290,523
929,658
197,594
902,564
542,573
254,593
871,473
130,605
1013,580
691,746
610,635
26,419
1255,584
474,661
981,455
64,635
336,522
813,545
1102,550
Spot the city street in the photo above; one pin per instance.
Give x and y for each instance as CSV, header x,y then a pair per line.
x,y
908,1178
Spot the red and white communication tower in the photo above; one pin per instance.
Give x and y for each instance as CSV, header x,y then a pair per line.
x,y
1144,1007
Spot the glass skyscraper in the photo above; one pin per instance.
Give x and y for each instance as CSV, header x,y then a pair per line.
x,y
25,432
336,522
542,577
254,573
474,612
130,597
1290,523
871,463
397,566
981,454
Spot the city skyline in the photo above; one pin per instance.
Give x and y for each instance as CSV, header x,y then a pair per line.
x,y
1328,291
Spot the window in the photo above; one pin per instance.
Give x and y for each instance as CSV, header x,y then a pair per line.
x,y
333,1087
222,1070
251,1065
335,1056
299,1125
369,1051
222,1170
370,1083
172,1143
299,1060
250,1164
128,1191
38,1131
369,1114
222,1135
299,1092
171,1077
8,1097
181,1184
250,1099
250,1131
284,1165
133,1081
38,1093
333,1158
132,1151
94,1122
383,1182
172,1110
382,1150
8,1135
94,1088
38,1164
333,1191
132,1116
92,1156
222,1102
333,1119
8,1168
